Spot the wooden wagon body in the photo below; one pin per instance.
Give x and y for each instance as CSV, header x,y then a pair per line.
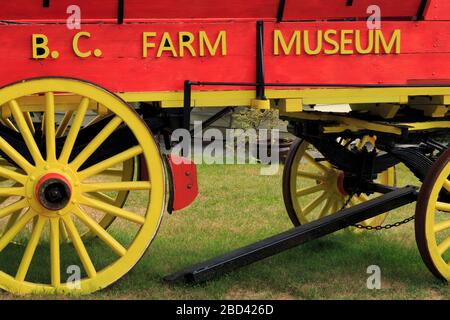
x,y
71,175
148,50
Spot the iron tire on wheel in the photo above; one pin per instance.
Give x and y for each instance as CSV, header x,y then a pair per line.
x,y
430,207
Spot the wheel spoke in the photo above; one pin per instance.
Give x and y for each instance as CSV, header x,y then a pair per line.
x,y
309,175
447,185
79,247
49,118
74,130
16,206
13,175
12,220
110,162
334,207
95,143
315,163
15,229
311,206
30,249
115,186
115,211
29,122
442,206
55,259
9,124
15,156
100,232
444,246
442,226
64,124
310,190
12,191
25,132
63,235
325,208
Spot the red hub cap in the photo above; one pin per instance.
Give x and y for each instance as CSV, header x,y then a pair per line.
x,y
53,191
340,184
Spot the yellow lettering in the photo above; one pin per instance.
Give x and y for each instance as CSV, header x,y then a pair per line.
x,y
287,48
358,41
387,47
166,44
346,41
221,40
330,41
75,47
186,39
40,46
145,44
306,43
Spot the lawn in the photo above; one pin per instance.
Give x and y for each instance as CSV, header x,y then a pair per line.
x,y
237,206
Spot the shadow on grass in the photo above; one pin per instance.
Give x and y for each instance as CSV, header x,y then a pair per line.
x,y
323,268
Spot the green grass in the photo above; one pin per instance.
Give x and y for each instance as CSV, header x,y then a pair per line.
x,y
237,206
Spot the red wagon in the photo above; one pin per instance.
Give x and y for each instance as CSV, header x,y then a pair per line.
x,y
80,103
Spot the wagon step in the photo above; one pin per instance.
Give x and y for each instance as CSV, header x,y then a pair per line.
x,y
286,240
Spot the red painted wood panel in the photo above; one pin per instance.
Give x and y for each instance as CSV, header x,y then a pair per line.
x,y
106,10
122,66
438,10
425,55
425,51
144,10
338,9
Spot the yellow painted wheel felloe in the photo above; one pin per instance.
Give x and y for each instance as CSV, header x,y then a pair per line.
x,y
432,223
312,187
55,190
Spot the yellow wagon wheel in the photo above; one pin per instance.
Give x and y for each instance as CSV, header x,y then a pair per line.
x,y
312,187
55,191
432,222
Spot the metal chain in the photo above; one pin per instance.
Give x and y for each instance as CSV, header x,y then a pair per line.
x,y
381,227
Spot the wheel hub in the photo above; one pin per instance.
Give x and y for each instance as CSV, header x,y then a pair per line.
x,y
53,191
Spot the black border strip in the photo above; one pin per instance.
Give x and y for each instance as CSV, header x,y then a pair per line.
x,y
46,4
280,13
260,88
421,11
120,11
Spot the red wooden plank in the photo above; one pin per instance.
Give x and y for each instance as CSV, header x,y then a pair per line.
x,y
338,9
438,10
140,10
425,51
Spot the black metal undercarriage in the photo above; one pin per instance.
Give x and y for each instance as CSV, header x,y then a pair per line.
x,y
417,150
